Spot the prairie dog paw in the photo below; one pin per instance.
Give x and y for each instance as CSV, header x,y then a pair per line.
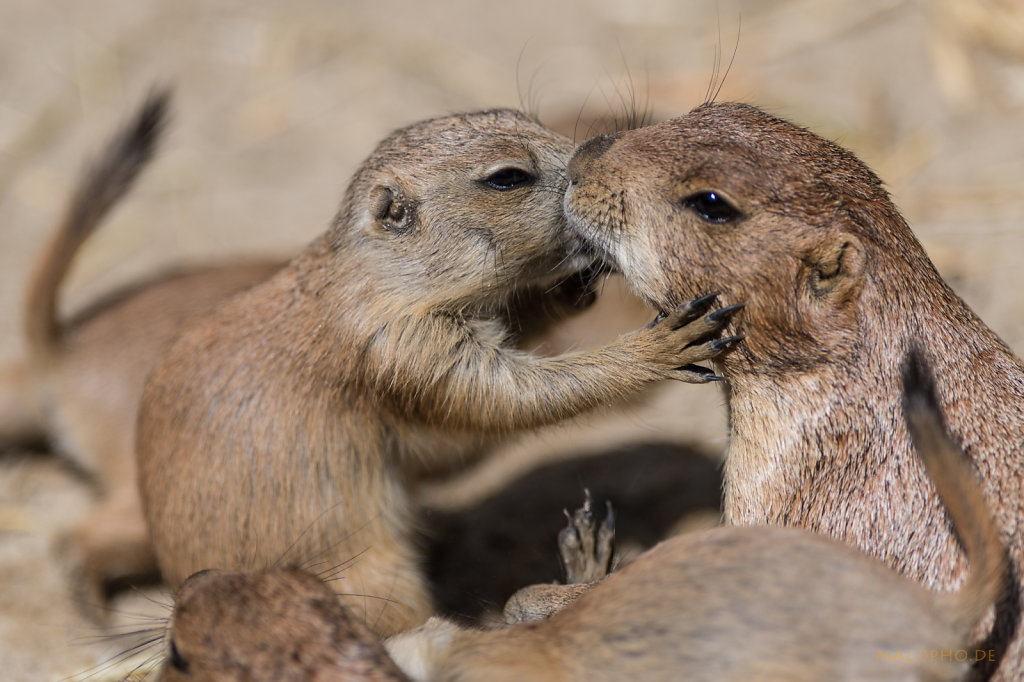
x,y
586,546
691,333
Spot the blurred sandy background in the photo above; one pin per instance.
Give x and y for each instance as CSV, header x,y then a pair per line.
x,y
277,102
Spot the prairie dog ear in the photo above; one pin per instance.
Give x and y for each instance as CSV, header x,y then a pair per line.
x,y
390,210
834,270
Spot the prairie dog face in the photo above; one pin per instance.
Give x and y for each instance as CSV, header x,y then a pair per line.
x,y
730,199
464,210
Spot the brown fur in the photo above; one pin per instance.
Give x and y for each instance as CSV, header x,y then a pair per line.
x,y
292,420
283,625
836,289
727,604
80,387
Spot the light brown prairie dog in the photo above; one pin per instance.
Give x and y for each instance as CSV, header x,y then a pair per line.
x,y
80,387
733,603
290,421
730,199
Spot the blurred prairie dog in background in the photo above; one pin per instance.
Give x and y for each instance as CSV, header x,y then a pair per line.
x,y
80,386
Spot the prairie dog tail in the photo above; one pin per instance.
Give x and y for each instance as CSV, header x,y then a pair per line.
x,y
959,491
104,182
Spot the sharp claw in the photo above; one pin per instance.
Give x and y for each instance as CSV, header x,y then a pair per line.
x,y
585,514
697,306
688,312
721,344
725,313
609,516
702,373
703,300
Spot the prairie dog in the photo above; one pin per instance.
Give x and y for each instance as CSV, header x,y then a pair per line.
x,y
290,421
731,199
81,384
734,603
280,625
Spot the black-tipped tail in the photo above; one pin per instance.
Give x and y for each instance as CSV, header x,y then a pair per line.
x,y
959,491
100,187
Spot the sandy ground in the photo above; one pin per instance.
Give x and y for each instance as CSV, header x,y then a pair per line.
x,y
276,103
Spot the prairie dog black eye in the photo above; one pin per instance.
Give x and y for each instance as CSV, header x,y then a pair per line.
x,y
508,178
712,207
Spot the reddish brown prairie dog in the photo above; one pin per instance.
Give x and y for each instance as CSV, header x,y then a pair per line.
x,y
727,604
289,422
80,387
730,199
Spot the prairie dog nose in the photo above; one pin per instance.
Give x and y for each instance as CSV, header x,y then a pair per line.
x,y
587,152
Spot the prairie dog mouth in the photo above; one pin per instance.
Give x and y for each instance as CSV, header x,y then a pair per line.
x,y
588,238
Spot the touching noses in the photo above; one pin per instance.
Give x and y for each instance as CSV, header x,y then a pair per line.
x,y
587,152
